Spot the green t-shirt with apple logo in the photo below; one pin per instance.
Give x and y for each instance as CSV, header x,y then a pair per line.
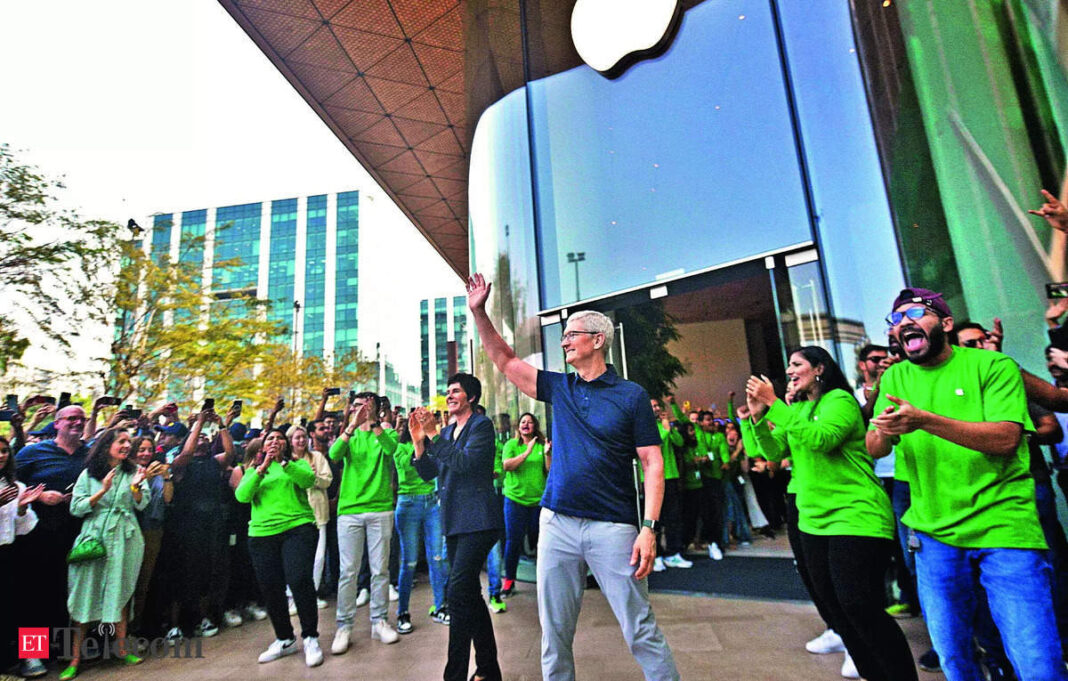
x,y
964,497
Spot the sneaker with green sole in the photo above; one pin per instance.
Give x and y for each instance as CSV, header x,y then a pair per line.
x,y
900,611
497,605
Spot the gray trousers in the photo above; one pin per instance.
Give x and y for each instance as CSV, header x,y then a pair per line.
x,y
376,529
566,545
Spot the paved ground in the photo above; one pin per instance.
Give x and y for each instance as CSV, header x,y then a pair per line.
x,y
713,638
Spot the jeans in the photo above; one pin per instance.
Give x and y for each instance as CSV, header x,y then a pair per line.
x,y
519,522
1058,554
735,514
420,514
1017,585
353,530
566,545
287,558
847,572
495,568
904,561
470,619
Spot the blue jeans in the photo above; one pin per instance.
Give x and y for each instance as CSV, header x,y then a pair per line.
x,y
519,522
1017,586
494,569
1058,554
735,514
900,500
420,514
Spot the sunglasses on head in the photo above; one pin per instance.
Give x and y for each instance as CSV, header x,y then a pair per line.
x,y
913,313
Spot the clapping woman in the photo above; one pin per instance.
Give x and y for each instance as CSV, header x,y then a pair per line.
x,y
526,461
106,495
844,515
461,457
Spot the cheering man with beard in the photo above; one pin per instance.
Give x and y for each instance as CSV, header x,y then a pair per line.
x,y
957,416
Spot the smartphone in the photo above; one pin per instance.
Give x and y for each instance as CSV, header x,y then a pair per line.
x,y
106,400
134,413
333,391
64,400
237,405
1055,291
209,404
352,396
12,403
127,407
48,399
6,414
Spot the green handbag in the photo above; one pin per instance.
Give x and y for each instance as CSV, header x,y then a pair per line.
x,y
87,549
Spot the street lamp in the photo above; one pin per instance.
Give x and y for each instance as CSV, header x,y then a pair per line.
x,y
576,258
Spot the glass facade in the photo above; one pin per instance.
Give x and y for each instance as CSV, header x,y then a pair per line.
x,y
315,276
441,343
424,346
459,332
346,289
282,270
237,235
191,247
161,235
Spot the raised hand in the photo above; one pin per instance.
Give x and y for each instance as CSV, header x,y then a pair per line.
x,y
108,479
139,476
1053,211
478,290
995,336
30,495
904,419
761,390
415,427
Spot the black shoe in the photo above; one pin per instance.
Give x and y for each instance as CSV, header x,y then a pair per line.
x,y
404,623
998,670
929,661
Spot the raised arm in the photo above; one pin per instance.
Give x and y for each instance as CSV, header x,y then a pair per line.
x,y
523,375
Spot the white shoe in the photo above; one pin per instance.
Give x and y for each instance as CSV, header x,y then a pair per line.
x,y
381,631
175,634
313,654
292,607
827,642
362,598
849,670
341,640
658,564
232,618
394,595
714,553
255,612
677,561
278,649
320,603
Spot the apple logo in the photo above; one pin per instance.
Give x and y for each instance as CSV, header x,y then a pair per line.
x,y
610,35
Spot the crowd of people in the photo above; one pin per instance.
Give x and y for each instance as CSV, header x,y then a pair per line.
x,y
923,490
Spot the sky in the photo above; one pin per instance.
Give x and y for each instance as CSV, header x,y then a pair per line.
x,y
143,107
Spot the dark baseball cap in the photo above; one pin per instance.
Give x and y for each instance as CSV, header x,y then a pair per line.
x,y
923,296
178,429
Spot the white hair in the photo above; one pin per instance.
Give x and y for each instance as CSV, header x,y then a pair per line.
x,y
597,322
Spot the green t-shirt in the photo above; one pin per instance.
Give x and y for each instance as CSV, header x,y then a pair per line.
x,y
960,496
279,499
670,439
691,473
526,484
833,474
408,480
366,482
714,446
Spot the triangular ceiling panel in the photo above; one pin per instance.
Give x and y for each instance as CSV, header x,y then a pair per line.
x,y
374,16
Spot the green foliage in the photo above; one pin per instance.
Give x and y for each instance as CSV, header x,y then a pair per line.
x,y
300,381
51,261
649,328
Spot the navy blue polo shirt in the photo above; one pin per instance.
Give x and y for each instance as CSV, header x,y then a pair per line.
x,y
597,427
49,464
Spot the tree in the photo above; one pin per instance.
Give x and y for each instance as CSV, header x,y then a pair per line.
x,y
649,329
51,261
300,381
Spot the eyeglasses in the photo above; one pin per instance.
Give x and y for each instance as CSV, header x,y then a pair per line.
x,y
913,313
875,358
74,419
572,335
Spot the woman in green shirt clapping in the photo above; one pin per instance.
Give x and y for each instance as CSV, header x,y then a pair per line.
x,y
844,515
525,460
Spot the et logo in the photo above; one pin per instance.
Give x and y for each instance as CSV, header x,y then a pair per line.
x,y
33,643
610,35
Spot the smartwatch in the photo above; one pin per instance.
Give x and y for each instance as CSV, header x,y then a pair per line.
x,y
653,525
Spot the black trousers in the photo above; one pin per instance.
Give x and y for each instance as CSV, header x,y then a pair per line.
x,y
195,538
692,502
906,581
712,507
671,516
42,584
470,618
287,558
847,572
794,535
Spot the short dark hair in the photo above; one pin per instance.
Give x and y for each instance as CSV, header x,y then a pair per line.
x,y
96,462
315,422
870,348
703,413
368,395
964,326
470,385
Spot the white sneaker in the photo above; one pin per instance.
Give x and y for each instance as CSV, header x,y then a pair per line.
x,y
658,564
394,595
292,607
341,640
232,618
827,642
849,670
175,634
206,628
313,654
278,649
362,598
677,561
381,631
320,603
714,553
255,612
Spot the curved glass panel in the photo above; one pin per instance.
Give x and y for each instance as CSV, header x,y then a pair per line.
x,y
683,162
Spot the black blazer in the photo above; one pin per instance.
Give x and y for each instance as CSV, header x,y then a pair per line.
x,y
469,502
